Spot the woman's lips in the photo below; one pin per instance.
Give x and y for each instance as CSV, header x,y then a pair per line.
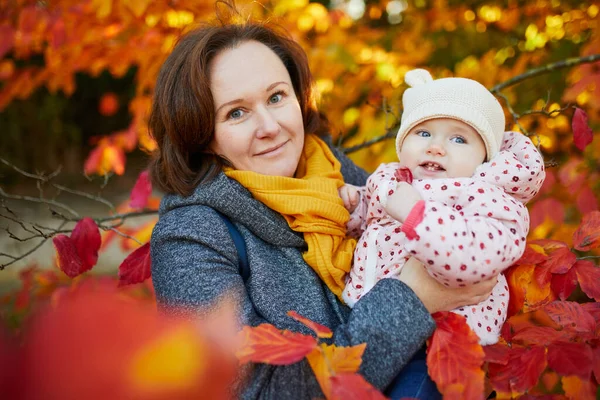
x,y
272,150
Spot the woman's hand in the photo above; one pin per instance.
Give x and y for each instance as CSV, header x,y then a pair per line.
x,y
437,297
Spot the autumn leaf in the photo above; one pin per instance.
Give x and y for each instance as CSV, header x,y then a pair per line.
x,y
521,373
570,314
403,175
576,388
533,254
496,353
586,200
582,133
67,256
569,358
564,284
541,335
596,362
137,7
267,344
327,361
136,267
7,38
587,236
87,241
321,330
347,386
455,356
588,276
560,260
141,191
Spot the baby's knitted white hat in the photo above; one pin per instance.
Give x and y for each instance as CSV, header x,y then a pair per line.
x,y
457,98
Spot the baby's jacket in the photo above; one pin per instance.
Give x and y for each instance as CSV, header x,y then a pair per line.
x,y
463,231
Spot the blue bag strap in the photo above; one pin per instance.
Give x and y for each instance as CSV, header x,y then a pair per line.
x,y
240,246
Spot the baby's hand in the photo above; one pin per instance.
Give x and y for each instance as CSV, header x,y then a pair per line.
x,y
400,202
350,196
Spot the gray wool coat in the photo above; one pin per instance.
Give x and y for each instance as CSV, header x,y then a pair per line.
x,y
194,262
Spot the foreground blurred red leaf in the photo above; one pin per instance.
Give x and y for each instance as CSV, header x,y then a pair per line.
x,y
321,330
568,358
136,267
587,236
588,275
345,386
582,133
267,344
87,241
141,191
571,315
455,357
67,257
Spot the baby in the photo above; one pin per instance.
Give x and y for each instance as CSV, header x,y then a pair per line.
x,y
464,215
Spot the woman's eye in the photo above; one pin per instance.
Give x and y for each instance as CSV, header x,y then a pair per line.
x,y
235,114
423,134
276,98
459,139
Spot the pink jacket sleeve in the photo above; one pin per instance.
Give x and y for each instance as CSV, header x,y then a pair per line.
x,y
482,234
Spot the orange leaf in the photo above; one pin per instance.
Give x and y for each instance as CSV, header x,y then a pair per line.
x,y
87,241
347,386
569,358
137,7
136,267
455,356
141,191
588,276
267,344
576,388
321,330
587,236
109,104
570,314
582,133
525,292
328,360
68,259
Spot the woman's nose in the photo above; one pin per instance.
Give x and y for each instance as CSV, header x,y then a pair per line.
x,y
436,149
267,124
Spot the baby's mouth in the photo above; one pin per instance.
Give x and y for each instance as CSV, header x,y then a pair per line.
x,y
432,166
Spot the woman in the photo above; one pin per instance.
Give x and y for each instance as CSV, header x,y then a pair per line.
x,y
234,103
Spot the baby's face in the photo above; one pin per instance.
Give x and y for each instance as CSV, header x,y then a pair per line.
x,y
442,148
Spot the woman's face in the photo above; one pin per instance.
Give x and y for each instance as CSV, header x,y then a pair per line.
x,y
258,124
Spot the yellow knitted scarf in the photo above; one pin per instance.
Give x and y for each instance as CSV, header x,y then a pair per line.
x,y
310,204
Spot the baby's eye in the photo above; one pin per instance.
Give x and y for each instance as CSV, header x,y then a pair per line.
x,y
459,139
423,133
236,113
276,98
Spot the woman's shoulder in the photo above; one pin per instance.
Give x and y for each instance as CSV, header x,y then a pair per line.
x,y
196,218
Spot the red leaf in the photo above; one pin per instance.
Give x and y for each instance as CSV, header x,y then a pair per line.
x,y
497,353
403,175
267,344
561,260
321,330
23,296
541,335
57,34
7,39
454,357
586,200
87,241
582,133
593,309
569,358
531,256
587,236
522,371
353,386
141,191
136,267
527,368
588,276
564,284
596,362
68,259
570,314
548,208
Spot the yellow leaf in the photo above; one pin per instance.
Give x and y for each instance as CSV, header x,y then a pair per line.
x,y
137,7
102,7
173,361
328,360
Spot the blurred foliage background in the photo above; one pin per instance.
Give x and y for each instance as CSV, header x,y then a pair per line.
x,y
76,78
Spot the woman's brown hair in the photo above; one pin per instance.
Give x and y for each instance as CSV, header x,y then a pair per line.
x,y
182,119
